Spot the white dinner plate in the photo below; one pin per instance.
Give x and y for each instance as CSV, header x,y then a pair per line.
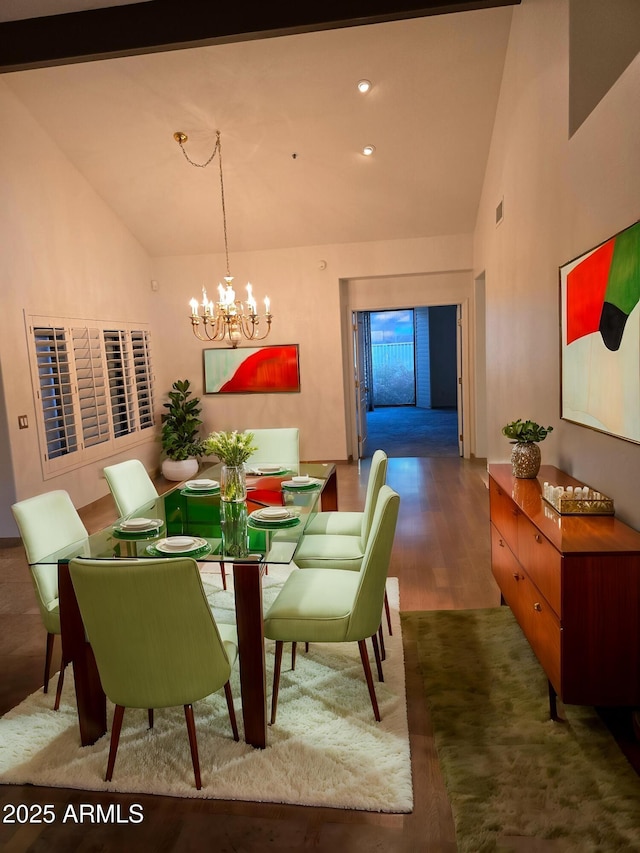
x,y
180,544
202,484
272,512
270,469
140,523
286,516
308,484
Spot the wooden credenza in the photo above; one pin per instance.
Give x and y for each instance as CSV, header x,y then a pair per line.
x,y
573,584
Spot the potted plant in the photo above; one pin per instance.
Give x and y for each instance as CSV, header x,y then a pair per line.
x,y
180,435
525,456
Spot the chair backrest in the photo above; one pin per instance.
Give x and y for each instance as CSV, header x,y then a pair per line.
x,y
153,635
365,617
377,479
276,446
47,523
130,486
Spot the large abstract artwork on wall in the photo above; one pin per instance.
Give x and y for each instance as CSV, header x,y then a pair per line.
x,y
252,370
600,316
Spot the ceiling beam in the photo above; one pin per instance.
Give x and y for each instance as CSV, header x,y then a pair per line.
x,y
168,25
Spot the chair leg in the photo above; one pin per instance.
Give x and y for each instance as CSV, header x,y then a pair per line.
x,y
193,743
115,739
63,666
376,651
383,651
47,661
232,710
150,715
294,647
362,645
277,664
387,610
223,572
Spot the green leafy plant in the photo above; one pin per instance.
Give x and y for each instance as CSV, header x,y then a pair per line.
x,y
232,448
181,424
525,431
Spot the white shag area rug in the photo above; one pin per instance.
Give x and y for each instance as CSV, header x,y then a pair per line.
x,y
324,750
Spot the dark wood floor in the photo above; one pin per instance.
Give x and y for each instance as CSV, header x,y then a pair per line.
x,y
441,557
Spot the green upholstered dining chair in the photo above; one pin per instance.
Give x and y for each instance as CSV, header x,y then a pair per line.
x,y
338,539
48,523
345,523
154,638
280,445
130,485
311,607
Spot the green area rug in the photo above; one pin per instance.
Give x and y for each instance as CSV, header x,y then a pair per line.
x,y
513,776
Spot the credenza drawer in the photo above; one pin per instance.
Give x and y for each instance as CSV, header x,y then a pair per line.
x,y
504,565
539,623
541,561
542,628
504,514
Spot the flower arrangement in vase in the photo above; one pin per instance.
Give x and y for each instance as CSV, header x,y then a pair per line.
x,y
233,449
525,456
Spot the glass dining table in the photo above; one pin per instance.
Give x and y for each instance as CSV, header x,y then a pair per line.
x,y
196,515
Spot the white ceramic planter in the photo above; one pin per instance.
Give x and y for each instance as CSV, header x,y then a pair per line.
x,y
180,470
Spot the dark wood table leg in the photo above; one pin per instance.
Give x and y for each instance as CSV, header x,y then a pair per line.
x,y
90,698
247,579
329,494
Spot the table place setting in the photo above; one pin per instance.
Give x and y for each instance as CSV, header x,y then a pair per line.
x,y
301,482
137,528
200,487
274,516
179,546
266,470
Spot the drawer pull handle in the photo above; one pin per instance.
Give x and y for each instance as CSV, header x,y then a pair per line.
x,y
516,576
537,607
537,537
501,543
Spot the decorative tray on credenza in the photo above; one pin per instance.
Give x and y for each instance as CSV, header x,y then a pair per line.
x,y
577,500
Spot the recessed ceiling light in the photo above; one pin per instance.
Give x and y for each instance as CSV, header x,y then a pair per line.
x,y
368,150
364,86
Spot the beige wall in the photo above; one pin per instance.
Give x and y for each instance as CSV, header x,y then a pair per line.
x,y
561,197
65,253
309,310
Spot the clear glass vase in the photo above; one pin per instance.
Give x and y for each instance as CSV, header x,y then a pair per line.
x,y
233,483
233,523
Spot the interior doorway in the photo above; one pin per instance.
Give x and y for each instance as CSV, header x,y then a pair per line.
x,y
407,368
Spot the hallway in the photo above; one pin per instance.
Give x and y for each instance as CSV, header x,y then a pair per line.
x,y
408,431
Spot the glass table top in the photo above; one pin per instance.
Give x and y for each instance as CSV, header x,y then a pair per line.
x,y
183,512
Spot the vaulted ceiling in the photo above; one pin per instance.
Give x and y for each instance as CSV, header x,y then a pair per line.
x,y
293,124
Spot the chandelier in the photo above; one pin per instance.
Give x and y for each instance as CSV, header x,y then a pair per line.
x,y
228,318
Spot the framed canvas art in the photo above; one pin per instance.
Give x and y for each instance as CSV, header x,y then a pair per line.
x,y
252,370
600,330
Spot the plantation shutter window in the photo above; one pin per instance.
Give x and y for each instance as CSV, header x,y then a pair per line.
x,y
94,388
89,362
54,387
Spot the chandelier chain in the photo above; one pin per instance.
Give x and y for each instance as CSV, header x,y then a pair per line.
x,y
217,149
